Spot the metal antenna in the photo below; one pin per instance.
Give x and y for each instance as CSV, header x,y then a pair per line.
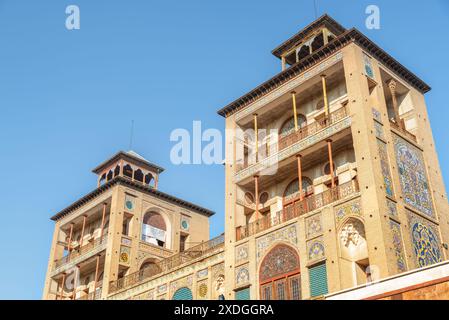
x,y
131,135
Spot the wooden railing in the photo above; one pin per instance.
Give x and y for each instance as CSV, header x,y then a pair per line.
x,y
294,137
167,264
311,129
297,209
401,129
75,253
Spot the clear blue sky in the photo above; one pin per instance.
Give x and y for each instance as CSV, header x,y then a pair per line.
x,y
67,97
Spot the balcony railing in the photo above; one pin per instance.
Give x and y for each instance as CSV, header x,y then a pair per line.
x,y
92,295
312,128
298,208
401,129
296,136
167,264
75,253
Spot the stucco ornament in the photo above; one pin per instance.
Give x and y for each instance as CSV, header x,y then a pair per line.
x,y
350,235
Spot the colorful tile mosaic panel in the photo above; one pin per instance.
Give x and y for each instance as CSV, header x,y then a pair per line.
x,y
202,273
202,290
241,253
385,167
379,129
353,208
397,244
413,177
314,226
287,234
280,260
425,241
242,275
377,115
368,66
392,209
315,249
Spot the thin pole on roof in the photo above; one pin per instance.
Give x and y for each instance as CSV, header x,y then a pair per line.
x,y
131,135
316,9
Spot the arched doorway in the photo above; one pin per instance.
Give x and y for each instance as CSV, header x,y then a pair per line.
x,y
183,293
279,274
154,229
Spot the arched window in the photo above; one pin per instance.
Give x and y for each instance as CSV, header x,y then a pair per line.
x,y
110,175
303,52
154,229
289,125
148,178
138,175
318,42
279,274
128,171
117,171
183,293
292,190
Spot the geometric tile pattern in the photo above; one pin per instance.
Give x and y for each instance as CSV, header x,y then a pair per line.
x,y
315,249
353,208
413,177
287,234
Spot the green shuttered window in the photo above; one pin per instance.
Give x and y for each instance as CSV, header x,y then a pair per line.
x,y
242,294
183,294
318,280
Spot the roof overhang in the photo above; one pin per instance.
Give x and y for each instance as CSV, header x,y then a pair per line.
x,y
127,156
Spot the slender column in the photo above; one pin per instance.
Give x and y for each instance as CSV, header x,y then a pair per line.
x,y
326,103
331,161
103,218
325,36
295,115
69,245
61,294
256,136
156,181
392,87
256,194
283,63
96,276
82,230
121,167
75,283
301,192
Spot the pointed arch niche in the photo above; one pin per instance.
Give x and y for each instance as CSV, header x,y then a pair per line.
x,y
279,274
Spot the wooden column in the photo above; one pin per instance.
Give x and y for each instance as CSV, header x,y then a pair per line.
x,y
331,162
69,244
96,276
121,167
256,137
301,192
256,194
82,230
295,114
326,103
75,283
283,63
156,181
394,99
103,219
61,295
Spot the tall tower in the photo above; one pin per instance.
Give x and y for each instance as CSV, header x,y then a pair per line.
x,y
120,233
332,178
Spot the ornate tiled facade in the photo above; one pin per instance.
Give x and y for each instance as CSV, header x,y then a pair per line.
x,y
282,259
315,249
287,234
242,275
392,208
413,176
241,253
425,240
314,226
385,166
398,245
352,208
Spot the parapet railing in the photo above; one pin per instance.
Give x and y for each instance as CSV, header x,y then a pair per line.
x,y
298,208
75,253
167,264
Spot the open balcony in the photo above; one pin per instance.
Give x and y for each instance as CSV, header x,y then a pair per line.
x,y
298,208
